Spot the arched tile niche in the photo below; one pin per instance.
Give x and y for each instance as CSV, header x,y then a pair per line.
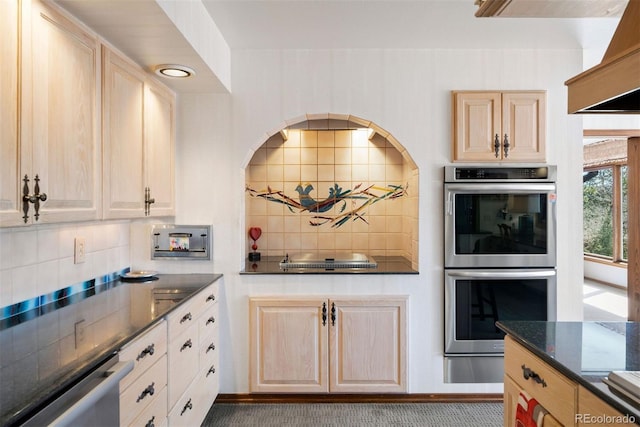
x,y
332,183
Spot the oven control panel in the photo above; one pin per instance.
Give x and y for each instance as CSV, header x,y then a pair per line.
x,y
514,174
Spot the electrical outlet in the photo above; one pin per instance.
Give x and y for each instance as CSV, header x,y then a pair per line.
x,y
79,332
79,250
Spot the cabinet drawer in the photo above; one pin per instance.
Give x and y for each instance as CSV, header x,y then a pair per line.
x,y
144,352
142,392
155,413
209,352
183,317
559,396
208,324
183,357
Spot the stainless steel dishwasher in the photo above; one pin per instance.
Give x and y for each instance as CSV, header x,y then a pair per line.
x,y
92,402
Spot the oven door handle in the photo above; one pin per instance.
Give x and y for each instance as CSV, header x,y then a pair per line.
x,y
502,274
111,379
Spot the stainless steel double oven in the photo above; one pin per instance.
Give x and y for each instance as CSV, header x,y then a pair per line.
x,y
500,261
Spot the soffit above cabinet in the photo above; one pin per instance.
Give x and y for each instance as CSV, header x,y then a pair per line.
x,y
145,32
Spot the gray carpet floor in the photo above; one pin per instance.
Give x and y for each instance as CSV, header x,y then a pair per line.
x,y
358,414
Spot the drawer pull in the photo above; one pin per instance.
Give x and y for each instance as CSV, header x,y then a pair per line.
x,y
149,350
211,320
212,370
528,373
147,391
186,317
212,346
211,298
186,407
151,423
187,344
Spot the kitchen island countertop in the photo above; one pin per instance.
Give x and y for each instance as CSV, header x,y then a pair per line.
x,y
584,352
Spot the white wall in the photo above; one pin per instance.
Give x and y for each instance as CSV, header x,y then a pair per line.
x,y
407,92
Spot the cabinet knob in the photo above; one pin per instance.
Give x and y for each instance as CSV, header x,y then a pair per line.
x,y
211,320
151,422
212,370
211,347
186,317
211,298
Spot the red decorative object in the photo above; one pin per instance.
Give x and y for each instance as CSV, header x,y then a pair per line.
x,y
254,233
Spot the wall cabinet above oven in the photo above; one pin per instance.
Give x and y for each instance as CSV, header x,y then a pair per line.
x,y
493,126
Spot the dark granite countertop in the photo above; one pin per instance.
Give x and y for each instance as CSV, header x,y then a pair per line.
x,y
386,265
39,355
585,352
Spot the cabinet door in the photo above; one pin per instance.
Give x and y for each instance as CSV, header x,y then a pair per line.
x,y
63,101
511,395
476,121
367,344
288,345
590,407
159,129
10,194
123,109
523,121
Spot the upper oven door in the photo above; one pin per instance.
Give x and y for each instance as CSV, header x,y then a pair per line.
x,y
508,225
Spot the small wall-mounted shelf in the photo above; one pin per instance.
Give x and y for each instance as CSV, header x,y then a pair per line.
x,y
181,242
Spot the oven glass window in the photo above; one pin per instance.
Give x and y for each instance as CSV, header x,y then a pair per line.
x,y
481,303
501,223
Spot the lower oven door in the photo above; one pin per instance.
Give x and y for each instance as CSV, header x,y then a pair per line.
x,y
94,401
476,299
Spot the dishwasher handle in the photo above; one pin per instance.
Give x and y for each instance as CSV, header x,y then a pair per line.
x,y
111,379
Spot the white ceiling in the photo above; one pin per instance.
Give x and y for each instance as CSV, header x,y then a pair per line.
x,y
141,30
404,24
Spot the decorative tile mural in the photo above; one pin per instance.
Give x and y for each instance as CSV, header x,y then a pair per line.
x,y
324,191
338,199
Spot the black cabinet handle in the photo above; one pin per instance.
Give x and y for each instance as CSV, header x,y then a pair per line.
x,y
151,423
186,317
149,350
187,344
186,407
333,314
147,391
211,347
528,373
496,146
505,146
211,320
211,298
212,370
324,313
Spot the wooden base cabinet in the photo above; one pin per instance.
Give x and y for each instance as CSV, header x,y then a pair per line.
x,y
193,358
569,403
499,126
324,345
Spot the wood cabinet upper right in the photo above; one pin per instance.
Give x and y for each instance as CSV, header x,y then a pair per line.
x,y
495,126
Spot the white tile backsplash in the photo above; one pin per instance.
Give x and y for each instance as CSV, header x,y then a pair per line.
x,y
37,260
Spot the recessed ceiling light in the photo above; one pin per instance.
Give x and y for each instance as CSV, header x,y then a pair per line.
x,y
174,70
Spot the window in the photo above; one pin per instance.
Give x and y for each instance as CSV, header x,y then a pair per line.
x,y
604,185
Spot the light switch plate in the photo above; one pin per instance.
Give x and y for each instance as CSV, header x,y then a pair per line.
x,y
79,250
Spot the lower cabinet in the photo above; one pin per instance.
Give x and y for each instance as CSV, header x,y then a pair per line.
x,y
143,392
569,403
320,345
175,378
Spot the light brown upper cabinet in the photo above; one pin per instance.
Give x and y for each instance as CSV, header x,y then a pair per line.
x,y
506,126
318,345
138,138
54,158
